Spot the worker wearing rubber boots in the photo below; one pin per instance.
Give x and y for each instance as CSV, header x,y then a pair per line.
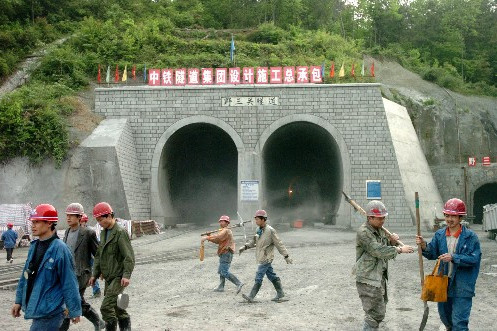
x,y
264,240
83,244
114,261
373,250
458,249
225,250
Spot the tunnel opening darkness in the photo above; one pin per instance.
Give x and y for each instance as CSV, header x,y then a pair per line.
x,y
303,176
201,173
484,195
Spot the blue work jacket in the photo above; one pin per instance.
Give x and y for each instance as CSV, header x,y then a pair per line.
x,y
55,285
9,238
466,259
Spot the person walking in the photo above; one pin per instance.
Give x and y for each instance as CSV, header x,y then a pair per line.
x,y
373,250
48,286
9,239
225,250
96,292
458,249
83,244
114,261
264,240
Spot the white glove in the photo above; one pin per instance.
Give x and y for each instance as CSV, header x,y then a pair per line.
x,y
241,249
288,260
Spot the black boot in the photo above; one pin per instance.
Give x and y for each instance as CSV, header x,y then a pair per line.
x,y
125,324
220,288
279,290
93,317
65,324
111,326
253,293
232,278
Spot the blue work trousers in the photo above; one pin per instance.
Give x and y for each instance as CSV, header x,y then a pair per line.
x,y
224,264
265,269
50,323
455,313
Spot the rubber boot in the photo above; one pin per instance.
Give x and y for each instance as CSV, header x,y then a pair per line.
x,y
232,278
111,326
125,324
93,317
367,327
65,324
220,287
253,293
279,290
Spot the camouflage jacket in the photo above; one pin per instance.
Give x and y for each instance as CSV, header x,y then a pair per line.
x,y
373,250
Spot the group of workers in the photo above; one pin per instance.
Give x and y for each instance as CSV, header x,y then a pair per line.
x,y
57,272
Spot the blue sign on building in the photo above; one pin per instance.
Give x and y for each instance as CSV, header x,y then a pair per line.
x,y
373,189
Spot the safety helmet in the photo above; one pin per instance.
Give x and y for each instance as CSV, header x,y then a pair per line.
x,y
75,209
84,218
10,225
261,213
44,212
102,208
455,206
224,218
376,208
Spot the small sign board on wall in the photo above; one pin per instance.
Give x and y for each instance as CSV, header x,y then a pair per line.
x,y
249,190
373,189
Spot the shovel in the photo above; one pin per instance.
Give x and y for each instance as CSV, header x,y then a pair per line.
x,y
421,270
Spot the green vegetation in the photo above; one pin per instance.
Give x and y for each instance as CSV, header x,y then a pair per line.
x,y
450,42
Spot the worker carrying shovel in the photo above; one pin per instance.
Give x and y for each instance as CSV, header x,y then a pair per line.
x,y
225,250
458,248
373,250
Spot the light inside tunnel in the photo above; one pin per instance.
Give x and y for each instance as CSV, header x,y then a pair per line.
x,y
302,174
484,195
200,171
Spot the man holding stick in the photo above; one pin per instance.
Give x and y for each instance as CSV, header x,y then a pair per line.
x,y
373,250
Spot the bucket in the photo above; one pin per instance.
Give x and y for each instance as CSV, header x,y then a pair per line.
x,y
298,224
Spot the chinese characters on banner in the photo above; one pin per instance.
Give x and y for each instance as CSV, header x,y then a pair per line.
x,y
235,76
485,161
471,161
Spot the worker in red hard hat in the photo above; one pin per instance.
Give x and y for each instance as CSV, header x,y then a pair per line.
x,y
83,244
458,249
9,239
373,250
48,284
225,250
264,241
115,261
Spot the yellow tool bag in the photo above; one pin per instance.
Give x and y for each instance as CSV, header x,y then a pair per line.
x,y
435,285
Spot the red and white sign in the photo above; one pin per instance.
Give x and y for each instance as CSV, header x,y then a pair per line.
x,y
180,77
316,74
289,75
248,75
193,76
275,75
235,76
261,75
471,161
167,77
207,76
486,160
154,77
221,76
302,75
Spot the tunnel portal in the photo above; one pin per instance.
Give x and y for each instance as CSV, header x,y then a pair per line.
x,y
200,171
484,195
302,171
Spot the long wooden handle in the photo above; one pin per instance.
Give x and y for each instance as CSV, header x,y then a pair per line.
x,y
418,230
389,234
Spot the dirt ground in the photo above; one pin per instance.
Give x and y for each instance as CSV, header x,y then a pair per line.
x,y
177,295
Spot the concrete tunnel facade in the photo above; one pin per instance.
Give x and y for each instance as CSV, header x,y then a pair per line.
x,y
200,152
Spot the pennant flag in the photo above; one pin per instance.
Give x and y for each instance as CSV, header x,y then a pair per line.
x,y
362,69
99,76
116,76
125,73
352,71
332,70
322,71
232,49
107,76
341,73
372,70
144,73
133,72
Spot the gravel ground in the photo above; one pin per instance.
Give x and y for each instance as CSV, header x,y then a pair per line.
x,y
177,295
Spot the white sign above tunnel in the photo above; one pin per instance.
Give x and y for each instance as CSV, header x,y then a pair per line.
x,y
249,101
249,190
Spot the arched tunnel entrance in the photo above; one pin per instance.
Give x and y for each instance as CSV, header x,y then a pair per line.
x,y
199,173
303,175
484,195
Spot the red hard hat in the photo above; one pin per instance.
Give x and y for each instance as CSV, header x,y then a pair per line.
x,y
9,225
261,213
455,206
75,209
84,218
224,218
376,208
44,212
102,208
